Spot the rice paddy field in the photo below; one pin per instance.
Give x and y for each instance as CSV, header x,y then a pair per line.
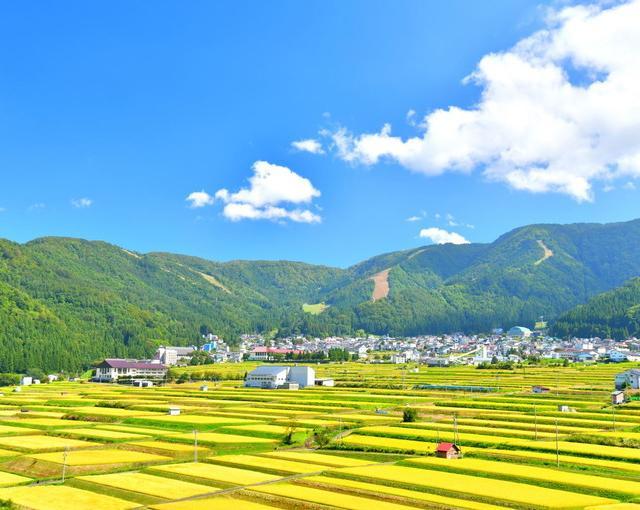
x,y
84,445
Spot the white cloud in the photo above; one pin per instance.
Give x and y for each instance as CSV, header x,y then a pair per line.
x,y
81,203
309,145
271,187
629,186
557,112
411,117
37,206
441,236
417,217
199,199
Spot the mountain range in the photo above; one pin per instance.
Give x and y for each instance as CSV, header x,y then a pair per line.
x,y
67,302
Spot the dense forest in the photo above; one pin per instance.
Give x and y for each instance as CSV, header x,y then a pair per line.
x,y
65,303
613,314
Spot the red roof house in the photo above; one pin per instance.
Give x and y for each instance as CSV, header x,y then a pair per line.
x,y
448,451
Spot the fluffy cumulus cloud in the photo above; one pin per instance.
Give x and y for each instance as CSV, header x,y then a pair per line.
x,y
81,203
441,236
557,112
274,193
310,145
199,199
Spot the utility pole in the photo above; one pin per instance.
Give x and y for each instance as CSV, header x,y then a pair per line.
x,y
613,414
557,446
535,421
195,445
64,463
455,429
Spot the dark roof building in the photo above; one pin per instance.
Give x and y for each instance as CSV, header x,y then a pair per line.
x,y
112,369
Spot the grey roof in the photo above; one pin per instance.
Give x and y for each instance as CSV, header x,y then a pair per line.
x,y
268,370
127,363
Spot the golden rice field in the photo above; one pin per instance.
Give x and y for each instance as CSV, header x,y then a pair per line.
x,y
268,464
97,457
149,484
55,497
43,443
406,494
217,473
219,503
487,489
325,497
326,447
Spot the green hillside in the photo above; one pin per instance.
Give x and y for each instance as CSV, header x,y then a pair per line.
x,y
613,314
66,302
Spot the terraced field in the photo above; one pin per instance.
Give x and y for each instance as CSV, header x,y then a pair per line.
x,y
325,448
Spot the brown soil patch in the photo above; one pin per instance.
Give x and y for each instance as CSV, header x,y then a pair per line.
x,y
381,285
547,253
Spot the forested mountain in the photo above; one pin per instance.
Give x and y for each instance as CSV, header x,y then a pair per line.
x,y
66,302
612,314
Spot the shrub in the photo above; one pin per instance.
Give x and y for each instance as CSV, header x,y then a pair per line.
x,y
409,415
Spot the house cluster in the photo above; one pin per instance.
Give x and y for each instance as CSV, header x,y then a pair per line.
x,y
514,345
213,347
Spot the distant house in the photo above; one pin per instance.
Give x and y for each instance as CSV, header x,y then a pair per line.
x,y
448,451
437,362
26,380
270,353
110,370
174,355
617,397
277,377
628,379
616,356
519,332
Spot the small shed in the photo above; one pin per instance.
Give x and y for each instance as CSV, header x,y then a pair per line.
x,y
448,451
564,409
617,397
540,389
325,382
204,387
174,411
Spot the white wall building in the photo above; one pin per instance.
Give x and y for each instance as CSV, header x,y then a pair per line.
x,y
629,378
113,369
275,376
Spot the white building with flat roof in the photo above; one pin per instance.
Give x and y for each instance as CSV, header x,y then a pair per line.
x,y
272,377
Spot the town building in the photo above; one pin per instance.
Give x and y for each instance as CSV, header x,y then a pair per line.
x,y
110,370
628,379
271,353
273,377
519,331
174,355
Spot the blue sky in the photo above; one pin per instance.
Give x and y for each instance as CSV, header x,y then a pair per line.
x,y
113,113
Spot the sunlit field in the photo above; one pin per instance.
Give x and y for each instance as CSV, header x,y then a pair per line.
x,y
347,446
